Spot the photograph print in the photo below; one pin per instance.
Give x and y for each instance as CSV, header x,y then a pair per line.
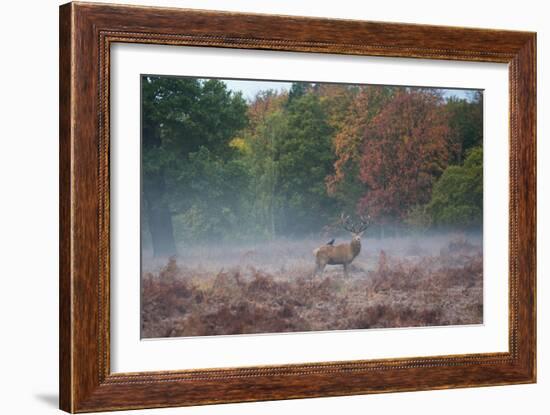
x,y
275,206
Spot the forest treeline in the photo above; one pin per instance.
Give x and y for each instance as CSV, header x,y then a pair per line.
x,y
287,163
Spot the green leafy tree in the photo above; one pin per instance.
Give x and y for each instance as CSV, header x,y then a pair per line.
x,y
211,203
457,197
288,153
179,115
297,90
305,159
261,159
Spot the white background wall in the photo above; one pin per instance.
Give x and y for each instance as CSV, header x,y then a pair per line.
x,y
29,207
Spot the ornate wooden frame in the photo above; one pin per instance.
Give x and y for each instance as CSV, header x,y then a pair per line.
x,y
86,33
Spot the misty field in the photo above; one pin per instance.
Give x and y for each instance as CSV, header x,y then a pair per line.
x,y
270,288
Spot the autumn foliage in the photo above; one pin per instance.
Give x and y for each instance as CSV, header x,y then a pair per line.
x,y
288,162
404,150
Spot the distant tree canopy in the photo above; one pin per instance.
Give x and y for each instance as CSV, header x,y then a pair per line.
x,y
288,163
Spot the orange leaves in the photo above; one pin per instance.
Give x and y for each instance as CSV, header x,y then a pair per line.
x,y
395,140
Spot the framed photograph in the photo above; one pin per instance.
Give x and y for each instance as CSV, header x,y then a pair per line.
x,y
258,207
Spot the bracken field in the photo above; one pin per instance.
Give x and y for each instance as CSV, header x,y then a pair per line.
x,y
269,288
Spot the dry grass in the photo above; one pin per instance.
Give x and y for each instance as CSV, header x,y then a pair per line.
x,y
406,288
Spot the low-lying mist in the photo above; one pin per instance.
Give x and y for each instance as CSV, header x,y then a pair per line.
x,y
279,255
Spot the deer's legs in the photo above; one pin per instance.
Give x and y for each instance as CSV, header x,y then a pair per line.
x,y
346,270
319,268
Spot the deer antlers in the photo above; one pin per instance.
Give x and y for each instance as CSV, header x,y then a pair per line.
x,y
349,226
346,222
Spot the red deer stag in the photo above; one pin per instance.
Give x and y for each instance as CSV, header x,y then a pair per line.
x,y
342,254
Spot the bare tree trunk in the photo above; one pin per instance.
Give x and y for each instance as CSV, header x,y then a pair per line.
x,y
159,217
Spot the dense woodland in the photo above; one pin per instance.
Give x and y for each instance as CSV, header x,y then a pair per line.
x,y
218,167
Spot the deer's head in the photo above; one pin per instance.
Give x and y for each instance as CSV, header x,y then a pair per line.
x,y
355,228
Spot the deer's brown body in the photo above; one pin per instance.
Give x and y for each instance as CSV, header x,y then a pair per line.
x,y
342,254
